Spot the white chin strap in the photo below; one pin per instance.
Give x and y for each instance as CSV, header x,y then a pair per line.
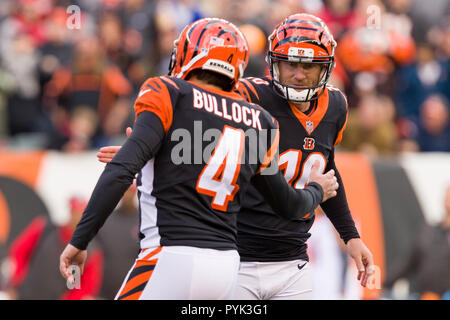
x,y
292,94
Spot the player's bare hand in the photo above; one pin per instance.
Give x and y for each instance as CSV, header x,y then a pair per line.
x,y
363,259
327,181
106,154
71,256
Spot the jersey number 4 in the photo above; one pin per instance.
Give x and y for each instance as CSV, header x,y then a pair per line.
x,y
218,178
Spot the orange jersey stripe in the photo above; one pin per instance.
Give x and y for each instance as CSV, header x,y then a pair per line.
x,y
271,153
244,92
251,87
155,97
170,81
340,133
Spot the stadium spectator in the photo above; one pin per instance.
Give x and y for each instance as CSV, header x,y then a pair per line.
x,y
339,16
417,81
19,62
91,81
81,128
428,263
33,253
370,127
430,131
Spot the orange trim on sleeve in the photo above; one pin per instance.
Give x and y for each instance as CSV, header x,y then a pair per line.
x,y
155,97
244,92
170,81
341,131
250,86
271,153
339,136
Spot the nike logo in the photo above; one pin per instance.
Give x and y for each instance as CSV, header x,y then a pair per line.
x,y
300,267
143,92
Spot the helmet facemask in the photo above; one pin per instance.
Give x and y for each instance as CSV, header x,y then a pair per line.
x,y
301,38
298,94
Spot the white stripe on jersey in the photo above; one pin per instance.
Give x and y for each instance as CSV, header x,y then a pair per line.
x,y
148,210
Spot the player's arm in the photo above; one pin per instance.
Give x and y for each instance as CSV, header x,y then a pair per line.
x,y
337,210
118,175
286,201
140,147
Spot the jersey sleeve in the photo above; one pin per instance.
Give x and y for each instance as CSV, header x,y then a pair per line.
x,y
248,90
139,148
273,142
337,209
342,105
155,97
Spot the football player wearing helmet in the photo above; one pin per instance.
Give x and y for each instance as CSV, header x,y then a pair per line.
x,y
188,211
312,117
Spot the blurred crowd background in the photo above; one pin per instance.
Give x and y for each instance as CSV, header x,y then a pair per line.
x,y
68,81
71,70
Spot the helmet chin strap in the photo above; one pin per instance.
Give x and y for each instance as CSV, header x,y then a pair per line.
x,y
292,94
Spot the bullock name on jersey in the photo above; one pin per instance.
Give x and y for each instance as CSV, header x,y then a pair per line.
x,y
195,202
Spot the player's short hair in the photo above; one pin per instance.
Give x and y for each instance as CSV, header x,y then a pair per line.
x,y
213,78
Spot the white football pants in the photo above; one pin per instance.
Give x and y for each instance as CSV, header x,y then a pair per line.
x,y
284,280
181,273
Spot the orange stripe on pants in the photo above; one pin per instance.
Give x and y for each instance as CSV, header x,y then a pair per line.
x,y
135,281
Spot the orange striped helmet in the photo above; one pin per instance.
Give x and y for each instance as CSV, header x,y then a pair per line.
x,y
301,38
210,44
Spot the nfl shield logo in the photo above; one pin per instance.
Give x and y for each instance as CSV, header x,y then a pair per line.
x,y
309,126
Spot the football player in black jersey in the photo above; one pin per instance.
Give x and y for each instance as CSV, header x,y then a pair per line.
x,y
188,210
312,117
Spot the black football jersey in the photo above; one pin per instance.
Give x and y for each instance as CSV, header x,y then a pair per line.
x,y
191,192
304,139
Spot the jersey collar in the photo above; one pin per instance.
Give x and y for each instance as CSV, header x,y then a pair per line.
x,y
311,121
